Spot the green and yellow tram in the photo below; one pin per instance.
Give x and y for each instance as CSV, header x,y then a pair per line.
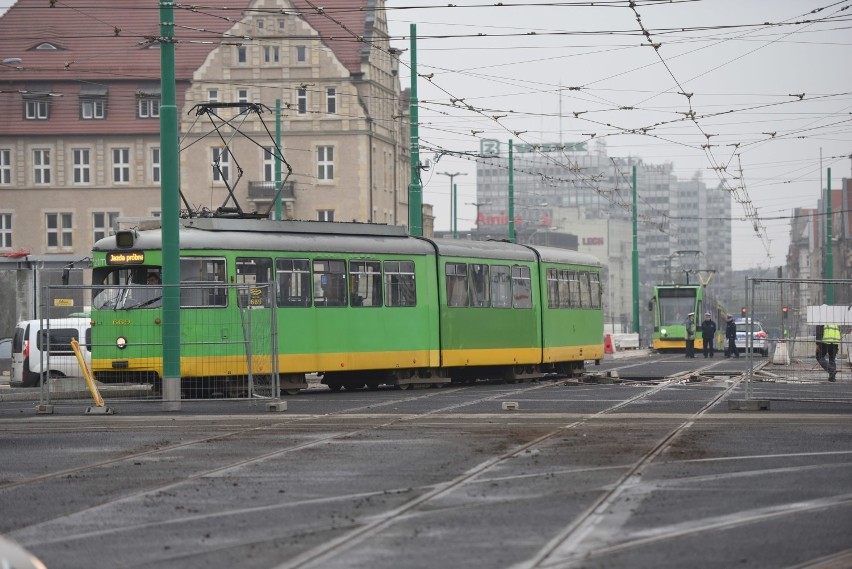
x,y
361,304
671,305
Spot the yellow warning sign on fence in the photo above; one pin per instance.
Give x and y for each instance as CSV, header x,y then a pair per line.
x,y
63,302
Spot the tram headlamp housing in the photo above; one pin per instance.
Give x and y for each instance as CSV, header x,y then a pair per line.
x,y
125,239
121,342
663,331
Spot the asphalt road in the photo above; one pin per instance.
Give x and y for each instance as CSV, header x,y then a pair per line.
x,y
631,474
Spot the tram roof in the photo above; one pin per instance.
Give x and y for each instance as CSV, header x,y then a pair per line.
x,y
268,235
335,237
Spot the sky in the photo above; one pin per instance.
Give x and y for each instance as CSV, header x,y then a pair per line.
x,y
754,96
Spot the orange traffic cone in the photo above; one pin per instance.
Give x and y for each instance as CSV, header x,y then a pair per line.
x,y
609,346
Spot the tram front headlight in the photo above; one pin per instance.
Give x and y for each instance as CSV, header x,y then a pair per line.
x,y
121,342
663,331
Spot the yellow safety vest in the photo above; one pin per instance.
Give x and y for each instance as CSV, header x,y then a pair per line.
x,y
831,334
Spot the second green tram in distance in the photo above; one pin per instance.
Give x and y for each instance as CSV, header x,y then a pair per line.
x,y
361,304
671,304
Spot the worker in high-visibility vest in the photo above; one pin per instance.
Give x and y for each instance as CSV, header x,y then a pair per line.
x,y
828,340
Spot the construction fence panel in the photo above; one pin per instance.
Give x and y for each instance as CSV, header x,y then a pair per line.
x,y
228,343
782,317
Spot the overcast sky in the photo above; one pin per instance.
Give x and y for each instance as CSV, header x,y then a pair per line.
x,y
753,95
768,82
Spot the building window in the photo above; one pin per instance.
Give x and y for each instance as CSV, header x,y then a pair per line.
x,y
121,165
93,109
80,157
325,215
37,110
5,230
282,23
331,100
221,164
301,54
155,165
148,108
60,230
242,96
269,164
271,54
302,100
5,167
41,166
325,162
212,95
242,54
102,224
259,24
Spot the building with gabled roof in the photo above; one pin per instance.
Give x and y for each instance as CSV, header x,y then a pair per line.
x,y
79,115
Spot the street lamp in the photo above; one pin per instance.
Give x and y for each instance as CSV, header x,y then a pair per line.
x,y
477,205
453,212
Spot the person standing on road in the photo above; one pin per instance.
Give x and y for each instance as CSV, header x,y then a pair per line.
x,y
828,340
708,334
689,324
731,335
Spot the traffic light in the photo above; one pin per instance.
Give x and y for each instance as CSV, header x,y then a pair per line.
x,y
785,311
743,310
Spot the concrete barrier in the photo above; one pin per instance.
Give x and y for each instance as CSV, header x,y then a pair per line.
x,y
626,341
781,356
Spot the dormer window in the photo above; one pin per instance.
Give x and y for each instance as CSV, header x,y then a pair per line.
x,y
37,102
148,101
93,102
47,46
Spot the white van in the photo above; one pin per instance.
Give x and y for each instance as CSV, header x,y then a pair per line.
x,y
30,361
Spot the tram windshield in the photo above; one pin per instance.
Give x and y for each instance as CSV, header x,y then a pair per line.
x,y
674,305
127,287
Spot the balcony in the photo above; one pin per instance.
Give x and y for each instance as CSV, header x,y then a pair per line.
x,y
265,192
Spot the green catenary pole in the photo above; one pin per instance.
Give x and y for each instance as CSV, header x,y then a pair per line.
x,y
829,256
635,260
415,198
170,208
511,193
278,213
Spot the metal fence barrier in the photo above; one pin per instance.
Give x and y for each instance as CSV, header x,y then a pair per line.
x,y
782,316
228,342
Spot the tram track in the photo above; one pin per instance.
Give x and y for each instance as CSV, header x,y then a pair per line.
x,y
318,555
219,470
359,532
566,547
553,502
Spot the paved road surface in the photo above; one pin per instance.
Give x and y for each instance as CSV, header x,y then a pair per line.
x,y
626,475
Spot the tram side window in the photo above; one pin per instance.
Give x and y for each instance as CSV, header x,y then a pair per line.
x,y
574,289
564,289
399,283
329,282
294,282
456,274
198,282
501,286
253,276
585,291
552,288
595,279
480,294
521,287
365,283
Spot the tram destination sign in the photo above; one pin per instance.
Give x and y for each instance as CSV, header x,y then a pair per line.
x,y
125,258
